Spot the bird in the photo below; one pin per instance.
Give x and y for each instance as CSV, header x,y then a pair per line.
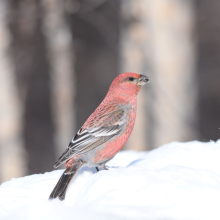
x,y
104,133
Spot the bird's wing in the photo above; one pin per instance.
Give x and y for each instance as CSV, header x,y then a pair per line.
x,y
96,131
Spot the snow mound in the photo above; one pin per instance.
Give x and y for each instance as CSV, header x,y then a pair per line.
x,y
175,181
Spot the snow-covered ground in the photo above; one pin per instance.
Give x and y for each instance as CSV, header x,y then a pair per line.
x,y
175,181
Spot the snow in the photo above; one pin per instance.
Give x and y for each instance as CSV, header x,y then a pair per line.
x,y
175,181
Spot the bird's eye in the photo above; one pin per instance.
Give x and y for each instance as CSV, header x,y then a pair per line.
x,y
131,79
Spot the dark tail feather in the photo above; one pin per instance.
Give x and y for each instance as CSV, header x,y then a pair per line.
x,y
61,187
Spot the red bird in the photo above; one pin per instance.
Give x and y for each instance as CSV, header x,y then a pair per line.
x,y
104,133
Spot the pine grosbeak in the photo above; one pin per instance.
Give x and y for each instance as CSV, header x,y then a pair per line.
x,y
104,133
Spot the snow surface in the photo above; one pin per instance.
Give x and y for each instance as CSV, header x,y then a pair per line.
x,y
175,181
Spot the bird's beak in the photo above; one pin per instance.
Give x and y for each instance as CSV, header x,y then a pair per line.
x,y
142,80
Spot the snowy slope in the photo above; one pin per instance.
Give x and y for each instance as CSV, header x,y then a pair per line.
x,y
175,181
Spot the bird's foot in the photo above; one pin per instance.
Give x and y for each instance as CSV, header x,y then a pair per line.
x,y
104,167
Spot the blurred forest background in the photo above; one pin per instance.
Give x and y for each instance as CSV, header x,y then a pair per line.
x,y
59,57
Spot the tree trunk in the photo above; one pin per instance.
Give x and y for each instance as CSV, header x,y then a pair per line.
x,y
158,42
61,54
95,28
208,33
32,71
12,158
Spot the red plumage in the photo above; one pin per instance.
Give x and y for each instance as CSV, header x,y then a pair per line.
x,y
104,133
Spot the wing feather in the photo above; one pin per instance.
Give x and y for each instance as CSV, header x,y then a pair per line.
x,y
108,125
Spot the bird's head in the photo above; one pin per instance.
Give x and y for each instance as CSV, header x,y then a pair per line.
x,y
128,83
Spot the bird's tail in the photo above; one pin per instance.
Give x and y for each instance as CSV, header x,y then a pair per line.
x,y
61,187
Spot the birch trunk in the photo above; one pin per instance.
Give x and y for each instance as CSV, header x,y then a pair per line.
x,y
61,54
158,42
12,156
